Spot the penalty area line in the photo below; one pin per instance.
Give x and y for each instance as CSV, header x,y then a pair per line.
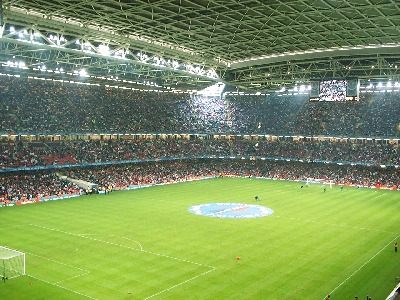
x,y
180,283
61,287
364,264
87,236
83,271
58,262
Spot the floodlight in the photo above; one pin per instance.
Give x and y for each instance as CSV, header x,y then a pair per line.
x,y
104,49
120,53
83,73
175,64
12,29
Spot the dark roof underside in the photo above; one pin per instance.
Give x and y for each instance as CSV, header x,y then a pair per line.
x,y
250,44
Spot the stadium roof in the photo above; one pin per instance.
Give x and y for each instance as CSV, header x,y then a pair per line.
x,y
251,45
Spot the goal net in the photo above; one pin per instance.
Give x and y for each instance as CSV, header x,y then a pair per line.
x,y
12,263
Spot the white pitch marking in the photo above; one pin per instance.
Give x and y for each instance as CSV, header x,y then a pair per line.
x,y
179,284
141,249
72,277
378,196
122,246
90,238
58,262
364,264
121,237
85,272
61,287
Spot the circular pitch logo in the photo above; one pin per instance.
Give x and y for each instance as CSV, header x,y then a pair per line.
x,y
231,210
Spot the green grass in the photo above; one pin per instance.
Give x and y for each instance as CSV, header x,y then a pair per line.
x,y
144,244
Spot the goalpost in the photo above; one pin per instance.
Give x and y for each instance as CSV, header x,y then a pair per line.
x,y
12,263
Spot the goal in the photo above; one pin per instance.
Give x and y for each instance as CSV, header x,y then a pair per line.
x,y
12,263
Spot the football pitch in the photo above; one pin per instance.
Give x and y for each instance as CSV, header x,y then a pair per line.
x,y
146,244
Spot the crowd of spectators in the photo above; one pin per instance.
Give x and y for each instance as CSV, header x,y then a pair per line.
x,y
45,106
155,173
30,105
20,186
320,151
93,151
28,186
375,114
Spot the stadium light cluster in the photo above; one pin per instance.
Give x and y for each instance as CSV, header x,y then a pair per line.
x,y
83,73
237,93
103,49
50,67
174,64
15,64
301,89
169,89
380,87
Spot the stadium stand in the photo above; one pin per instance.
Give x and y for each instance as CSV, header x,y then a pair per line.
x,y
18,186
46,124
41,106
30,154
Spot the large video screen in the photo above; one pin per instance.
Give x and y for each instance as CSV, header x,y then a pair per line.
x,y
338,90
332,90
